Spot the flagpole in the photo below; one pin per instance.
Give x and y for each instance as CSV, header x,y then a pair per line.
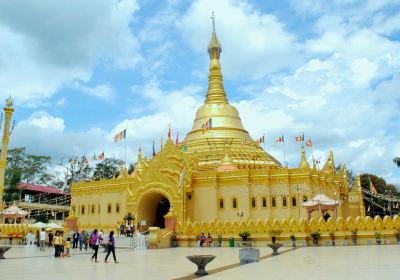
x,y
284,152
125,151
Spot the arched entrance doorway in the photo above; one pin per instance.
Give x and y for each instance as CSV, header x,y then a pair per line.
x,y
152,208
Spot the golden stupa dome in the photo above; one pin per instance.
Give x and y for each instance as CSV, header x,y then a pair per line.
x,y
218,125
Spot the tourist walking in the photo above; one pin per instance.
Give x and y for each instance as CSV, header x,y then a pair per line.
x,y
202,239
209,240
85,239
111,247
62,244
56,245
42,239
37,238
94,242
75,238
81,240
51,235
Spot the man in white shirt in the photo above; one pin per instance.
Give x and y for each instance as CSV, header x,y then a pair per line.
x,y
42,239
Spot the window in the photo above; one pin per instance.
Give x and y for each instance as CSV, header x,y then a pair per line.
x,y
234,203
92,209
304,198
294,201
273,201
264,202
83,210
253,202
221,203
117,208
284,201
109,208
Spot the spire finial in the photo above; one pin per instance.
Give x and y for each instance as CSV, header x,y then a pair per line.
x,y
213,20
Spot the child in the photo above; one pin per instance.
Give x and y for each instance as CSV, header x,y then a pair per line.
x,y
68,246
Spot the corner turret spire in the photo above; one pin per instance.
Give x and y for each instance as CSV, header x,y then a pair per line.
x,y
215,92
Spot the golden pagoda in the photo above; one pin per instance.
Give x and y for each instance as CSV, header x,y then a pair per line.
x,y
217,174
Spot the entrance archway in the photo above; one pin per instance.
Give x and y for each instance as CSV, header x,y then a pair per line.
x,y
152,208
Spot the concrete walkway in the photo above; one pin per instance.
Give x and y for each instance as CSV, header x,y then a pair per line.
x,y
349,262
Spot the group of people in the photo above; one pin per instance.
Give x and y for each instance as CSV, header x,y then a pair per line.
x,y
81,240
96,239
205,239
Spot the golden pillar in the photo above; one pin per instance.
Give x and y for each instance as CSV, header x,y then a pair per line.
x,y
8,110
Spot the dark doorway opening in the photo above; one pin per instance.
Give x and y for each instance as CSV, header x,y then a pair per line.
x,y
161,210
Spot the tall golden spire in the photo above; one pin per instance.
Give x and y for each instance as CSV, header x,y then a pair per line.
x,y
215,92
303,162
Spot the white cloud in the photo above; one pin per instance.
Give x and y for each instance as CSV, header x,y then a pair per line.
x,y
43,120
38,57
105,92
254,44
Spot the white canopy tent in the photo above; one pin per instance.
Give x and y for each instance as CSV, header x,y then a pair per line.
x,y
320,203
14,212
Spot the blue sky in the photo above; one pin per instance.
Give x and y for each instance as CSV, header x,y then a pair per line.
x,y
81,71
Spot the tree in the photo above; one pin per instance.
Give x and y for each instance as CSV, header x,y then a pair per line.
x,y
24,167
78,170
380,184
396,160
42,217
107,169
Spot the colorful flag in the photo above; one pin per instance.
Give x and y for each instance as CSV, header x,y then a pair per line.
x,y
279,139
120,136
299,138
372,187
207,124
101,156
177,139
154,150
309,143
184,147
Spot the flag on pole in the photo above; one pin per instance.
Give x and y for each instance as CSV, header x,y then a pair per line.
x,y
299,138
101,156
154,150
260,140
372,187
177,139
120,136
184,147
207,124
280,139
309,143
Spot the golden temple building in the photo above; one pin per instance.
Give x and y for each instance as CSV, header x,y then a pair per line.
x,y
218,173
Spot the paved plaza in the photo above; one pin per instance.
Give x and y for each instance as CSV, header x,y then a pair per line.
x,y
341,262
